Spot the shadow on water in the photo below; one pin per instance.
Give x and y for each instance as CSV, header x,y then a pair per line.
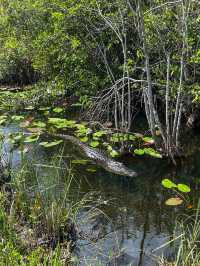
x,y
133,220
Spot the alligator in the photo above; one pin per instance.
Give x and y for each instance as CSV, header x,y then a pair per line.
x,y
100,158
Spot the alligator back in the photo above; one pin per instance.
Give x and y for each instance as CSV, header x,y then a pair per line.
x,y
100,158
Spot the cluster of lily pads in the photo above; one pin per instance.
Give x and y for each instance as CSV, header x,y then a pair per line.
x,y
47,121
179,190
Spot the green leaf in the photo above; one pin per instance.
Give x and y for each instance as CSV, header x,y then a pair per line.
x,y
99,134
17,117
148,140
29,108
50,144
31,138
2,121
152,152
132,137
84,139
82,130
183,188
94,144
58,110
18,136
77,104
174,201
109,147
39,124
44,108
139,151
92,170
80,162
114,153
61,122
168,183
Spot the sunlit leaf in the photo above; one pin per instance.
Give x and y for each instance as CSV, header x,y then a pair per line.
x,y
148,140
152,152
2,121
44,108
31,138
58,110
139,151
94,144
132,137
109,147
80,161
17,117
39,124
168,183
114,153
183,188
174,201
84,139
50,144
92,170
29,108
61,122
18,137
99,134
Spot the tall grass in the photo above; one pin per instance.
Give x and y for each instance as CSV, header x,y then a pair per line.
x,y
38,215
186,241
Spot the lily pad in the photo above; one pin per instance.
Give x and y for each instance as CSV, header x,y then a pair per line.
x,y
17,117
152,152
132,137
114,153
58,110
2,121
31,138
50,144
183,188
94,144
29,108
139,151
44,108
168,183
174,201
84,139
99,134
39,124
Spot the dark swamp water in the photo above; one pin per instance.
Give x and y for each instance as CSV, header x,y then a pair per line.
x,y
134,220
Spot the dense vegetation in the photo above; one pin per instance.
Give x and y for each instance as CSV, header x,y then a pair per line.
x,y
113,60
79,48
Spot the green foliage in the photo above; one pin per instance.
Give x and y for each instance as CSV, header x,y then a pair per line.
x,y
94,144
177,188
168,183
31,138
66,43
50,144
139,151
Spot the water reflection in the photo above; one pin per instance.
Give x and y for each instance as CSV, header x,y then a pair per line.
x,y
133,219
